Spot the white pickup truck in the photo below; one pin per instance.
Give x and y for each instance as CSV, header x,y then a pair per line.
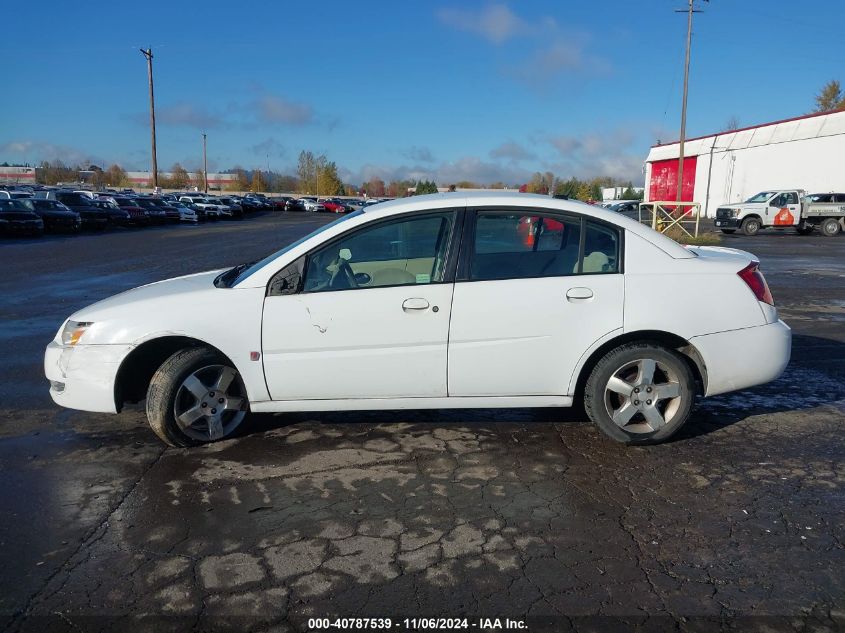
x,y
783,209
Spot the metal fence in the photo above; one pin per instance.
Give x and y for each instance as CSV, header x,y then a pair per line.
x,y
662,215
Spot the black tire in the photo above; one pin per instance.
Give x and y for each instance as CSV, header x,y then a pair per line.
x,y
751,226
671,367
805,229
165,387
728,231
831,227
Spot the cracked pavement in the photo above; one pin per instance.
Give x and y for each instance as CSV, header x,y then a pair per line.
x,y
519,513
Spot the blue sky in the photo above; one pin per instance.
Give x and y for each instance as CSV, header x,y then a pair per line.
x,y
450,90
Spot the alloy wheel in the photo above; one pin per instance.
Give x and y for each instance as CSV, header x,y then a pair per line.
x,y
643,395
210,403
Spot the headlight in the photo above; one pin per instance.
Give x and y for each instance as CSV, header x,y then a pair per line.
x,y
73,331
737,212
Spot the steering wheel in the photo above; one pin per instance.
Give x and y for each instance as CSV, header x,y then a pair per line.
x,y
341,266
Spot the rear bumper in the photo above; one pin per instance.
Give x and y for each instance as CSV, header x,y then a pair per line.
x,y
744,358
82,377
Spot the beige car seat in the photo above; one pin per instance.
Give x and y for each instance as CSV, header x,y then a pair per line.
x,y
596,262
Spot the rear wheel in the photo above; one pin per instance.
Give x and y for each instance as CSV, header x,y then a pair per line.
x,y
729,231
640,393
196,397
751,226
831,227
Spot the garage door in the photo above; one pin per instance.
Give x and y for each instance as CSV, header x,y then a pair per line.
x,y
664,179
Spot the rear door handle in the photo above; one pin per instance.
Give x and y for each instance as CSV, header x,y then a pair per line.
x,y
414,304
579,294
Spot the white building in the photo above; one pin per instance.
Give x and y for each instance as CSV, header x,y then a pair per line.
x,y
608,194
806,152
18,175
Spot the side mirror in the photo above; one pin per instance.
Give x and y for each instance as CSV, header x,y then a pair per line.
x,y
345,254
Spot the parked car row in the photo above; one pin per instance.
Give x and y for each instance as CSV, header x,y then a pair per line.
x,y
312,204
27,212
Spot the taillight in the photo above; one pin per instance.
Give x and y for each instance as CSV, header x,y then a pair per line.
x,y
752,276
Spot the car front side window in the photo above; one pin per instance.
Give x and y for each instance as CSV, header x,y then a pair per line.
x,y
404,251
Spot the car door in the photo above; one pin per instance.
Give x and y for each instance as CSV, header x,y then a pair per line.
x,y
783,209
535,290
366,315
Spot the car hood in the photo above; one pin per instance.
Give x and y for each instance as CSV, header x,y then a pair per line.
x,y
744,205
156,295
56,213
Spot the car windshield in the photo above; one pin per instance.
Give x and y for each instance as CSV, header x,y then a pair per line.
x,y
237,274
73,198
13,204
763,196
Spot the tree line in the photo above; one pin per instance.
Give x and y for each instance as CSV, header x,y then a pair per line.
x,y
830,98
317,175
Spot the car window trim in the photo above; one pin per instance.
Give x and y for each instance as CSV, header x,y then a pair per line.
x,y
467,249
451,253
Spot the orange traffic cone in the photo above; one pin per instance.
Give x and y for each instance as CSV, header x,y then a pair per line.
x,y
529,236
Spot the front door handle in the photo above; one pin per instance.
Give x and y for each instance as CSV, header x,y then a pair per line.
x,y
579,294
414,304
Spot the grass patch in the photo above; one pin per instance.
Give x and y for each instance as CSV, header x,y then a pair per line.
x,y
703,239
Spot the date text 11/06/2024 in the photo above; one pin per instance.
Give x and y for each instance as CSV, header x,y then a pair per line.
x,y
415,624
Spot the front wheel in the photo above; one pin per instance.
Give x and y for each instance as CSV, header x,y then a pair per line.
x,y
196,397
831,227
640,393
751,226
728,231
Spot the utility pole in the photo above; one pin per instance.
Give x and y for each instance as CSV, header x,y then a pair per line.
x,y
149,55
689,11
204,163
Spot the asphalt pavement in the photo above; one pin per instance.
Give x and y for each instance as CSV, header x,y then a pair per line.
x,y
530,515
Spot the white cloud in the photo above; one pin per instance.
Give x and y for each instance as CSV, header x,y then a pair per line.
x,y
513,151
185,114
34,152
547,50
496,22
276,109
469,168
588,155
420,154
268,146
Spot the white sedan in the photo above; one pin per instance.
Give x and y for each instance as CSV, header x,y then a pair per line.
x,y
441,301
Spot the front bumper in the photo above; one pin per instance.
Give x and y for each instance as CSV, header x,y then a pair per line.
x,y
24,228
97,222
739,359
727,223
82,377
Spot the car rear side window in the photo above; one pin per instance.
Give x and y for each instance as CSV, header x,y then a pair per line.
x,y
601,249
530,245
515,245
